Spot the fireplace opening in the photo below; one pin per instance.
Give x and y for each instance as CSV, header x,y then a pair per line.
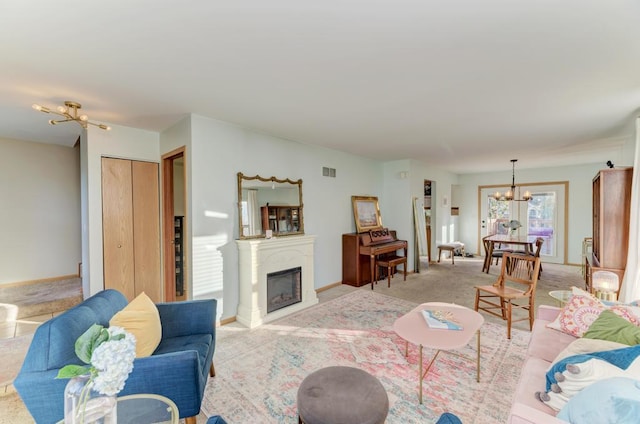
x,y
284,288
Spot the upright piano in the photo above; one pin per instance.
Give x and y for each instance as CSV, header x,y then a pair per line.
x,y
359,252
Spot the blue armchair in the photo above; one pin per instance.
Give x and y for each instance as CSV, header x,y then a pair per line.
x,y
178,368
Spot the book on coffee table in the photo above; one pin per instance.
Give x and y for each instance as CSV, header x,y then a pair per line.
x,y
440,320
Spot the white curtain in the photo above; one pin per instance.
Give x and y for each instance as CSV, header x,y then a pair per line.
x,y
253,211
630,289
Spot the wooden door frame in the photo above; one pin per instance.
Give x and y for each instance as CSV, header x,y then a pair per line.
x,y
565,218
168,235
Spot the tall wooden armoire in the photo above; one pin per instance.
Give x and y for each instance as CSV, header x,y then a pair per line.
x,y
611,213
131,227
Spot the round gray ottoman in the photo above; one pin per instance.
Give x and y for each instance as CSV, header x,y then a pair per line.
x,y
342,395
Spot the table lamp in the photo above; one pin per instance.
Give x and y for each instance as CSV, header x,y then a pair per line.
x,y
605,285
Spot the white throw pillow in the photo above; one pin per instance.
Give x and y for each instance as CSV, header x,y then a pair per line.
x,y
583,346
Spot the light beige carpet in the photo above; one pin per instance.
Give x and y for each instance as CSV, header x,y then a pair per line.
x,y
12,352
12,410
42,298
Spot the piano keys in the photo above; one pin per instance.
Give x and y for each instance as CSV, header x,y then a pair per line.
x,y
359,252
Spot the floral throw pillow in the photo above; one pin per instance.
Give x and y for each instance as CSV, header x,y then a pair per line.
x,y
577,315
628,312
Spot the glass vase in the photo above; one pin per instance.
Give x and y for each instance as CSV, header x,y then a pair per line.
x,y
83,405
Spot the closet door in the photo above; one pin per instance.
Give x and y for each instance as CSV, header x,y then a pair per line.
x,y
131,227
117,226
146,229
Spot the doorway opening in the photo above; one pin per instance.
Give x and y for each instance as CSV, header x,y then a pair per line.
x,y
174,226
427,215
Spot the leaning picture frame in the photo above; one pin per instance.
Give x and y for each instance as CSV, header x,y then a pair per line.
x,y
366,213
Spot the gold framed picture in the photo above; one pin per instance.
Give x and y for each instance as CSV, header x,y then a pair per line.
x,y
366,213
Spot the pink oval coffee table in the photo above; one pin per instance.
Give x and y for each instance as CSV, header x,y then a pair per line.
x,y
413,329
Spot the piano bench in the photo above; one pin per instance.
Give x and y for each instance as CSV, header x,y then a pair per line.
x,y
390,262
451,248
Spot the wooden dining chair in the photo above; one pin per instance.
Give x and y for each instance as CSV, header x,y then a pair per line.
x,y
539,243
495,253
536,253
515,288
485,245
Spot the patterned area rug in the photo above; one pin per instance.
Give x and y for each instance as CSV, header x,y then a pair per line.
x,y
258,371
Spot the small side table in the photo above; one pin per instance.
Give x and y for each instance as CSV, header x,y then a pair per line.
x,y
562,296
145,408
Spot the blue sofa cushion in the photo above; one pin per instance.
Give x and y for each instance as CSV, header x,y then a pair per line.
x,y
105,304
65,331
198,342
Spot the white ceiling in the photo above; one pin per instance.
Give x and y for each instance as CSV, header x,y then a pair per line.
x,y
465,85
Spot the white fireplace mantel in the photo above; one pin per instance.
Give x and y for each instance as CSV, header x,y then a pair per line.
x,y
259,257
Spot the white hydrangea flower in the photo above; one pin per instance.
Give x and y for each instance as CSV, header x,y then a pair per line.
x,y
113,361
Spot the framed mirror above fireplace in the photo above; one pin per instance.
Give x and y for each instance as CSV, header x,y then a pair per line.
x,y
269,206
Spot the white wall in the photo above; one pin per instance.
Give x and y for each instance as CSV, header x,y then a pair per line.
x,y
219,151
40,197
442,181
396,201
120,142
396,205
579,196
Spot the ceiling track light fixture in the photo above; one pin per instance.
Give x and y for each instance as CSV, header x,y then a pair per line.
x,y
70,112
509,194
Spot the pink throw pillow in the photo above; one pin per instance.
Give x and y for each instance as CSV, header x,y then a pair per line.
x,y
628,312
577,315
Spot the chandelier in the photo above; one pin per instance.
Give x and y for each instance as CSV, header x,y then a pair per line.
x,y
70,113
510,193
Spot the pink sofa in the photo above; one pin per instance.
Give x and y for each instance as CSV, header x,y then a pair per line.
x,y
544,346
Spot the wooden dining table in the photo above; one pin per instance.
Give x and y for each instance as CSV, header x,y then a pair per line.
x,y
499,239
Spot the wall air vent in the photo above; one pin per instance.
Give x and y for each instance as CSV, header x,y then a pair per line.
x,y
328,172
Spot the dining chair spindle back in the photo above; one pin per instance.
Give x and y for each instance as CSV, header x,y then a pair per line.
x,y
515,288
